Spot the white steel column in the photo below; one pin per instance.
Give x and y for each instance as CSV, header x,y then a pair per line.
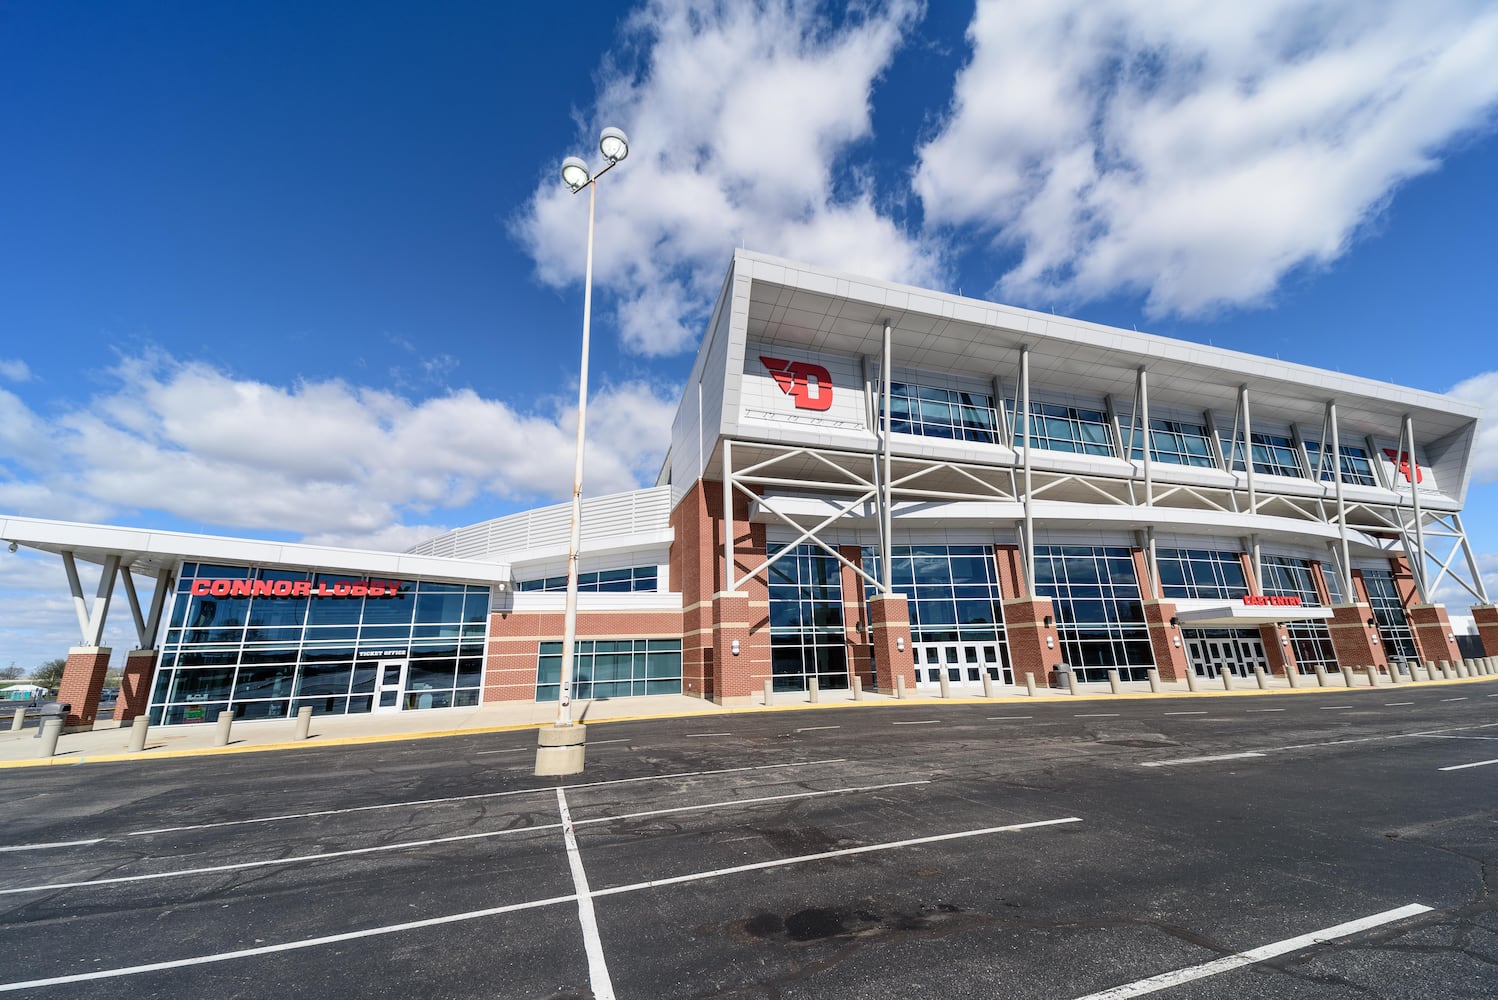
x,y
1024,393
135,613
1345,567
1248,448
75,587
164,582
728,580
1142,394
1414,477
886,520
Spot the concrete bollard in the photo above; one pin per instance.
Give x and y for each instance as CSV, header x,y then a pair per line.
x,y
1394,677
1074,682
138,730
1446,670
1113,681
857,688
1346,675
987,685
813,691
51,730
561,750
1430,670
769,692
1320,675
1191,679
1467,669
1262,678
945,683
900,687
304,722
1030,685
1290,677
1154,676
225,722
1226,676
19,719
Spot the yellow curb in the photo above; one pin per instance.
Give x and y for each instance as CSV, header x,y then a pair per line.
x,y
882,702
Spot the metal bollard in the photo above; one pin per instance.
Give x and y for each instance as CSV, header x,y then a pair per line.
x,y
1226,676
51,730
900,686
857,688
1262,678
1154,676
1113,681
138,730
1191,679
19,719
813,691
303,722
225,721
944,683
769,692
1030,685
987,685
1320,675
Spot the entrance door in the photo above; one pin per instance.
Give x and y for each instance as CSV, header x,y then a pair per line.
x,y
1212,654
390,682
964,662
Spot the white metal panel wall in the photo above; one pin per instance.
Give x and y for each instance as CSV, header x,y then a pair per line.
x,y
604,517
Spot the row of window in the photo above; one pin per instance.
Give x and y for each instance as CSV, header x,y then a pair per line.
x,y
637,579
931,411
611,668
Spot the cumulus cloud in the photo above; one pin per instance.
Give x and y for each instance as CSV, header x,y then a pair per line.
x,y
739,116
330,460
14,370
1195,151
1483,389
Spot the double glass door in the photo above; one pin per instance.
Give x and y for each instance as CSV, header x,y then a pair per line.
x,y
1212,654
964,663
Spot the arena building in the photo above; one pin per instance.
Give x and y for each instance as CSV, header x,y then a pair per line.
x,y
864,479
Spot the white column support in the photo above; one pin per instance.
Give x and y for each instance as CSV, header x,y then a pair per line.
x,y
728,581
1482,589
886,499
135,613
1345,562
1142,396
1024,422
1248,447
80,603
1414,476
164,582
1257,552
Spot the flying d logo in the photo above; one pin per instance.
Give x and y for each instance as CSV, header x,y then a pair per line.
x,y
808,384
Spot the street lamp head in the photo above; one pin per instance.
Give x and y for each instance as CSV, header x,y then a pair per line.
x,y
613,144
574,172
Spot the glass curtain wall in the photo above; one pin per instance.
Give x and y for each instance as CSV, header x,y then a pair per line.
x,y
267,642
1311,642
1058,427
1356,469
1388,610
1273,455
931,411
1205,574
637,579
806,620
1174,442
1099,613
611,668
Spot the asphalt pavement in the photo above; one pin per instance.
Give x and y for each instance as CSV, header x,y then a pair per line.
x,y
1330,845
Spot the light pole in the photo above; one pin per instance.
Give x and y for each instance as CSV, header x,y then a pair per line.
x,y
559,749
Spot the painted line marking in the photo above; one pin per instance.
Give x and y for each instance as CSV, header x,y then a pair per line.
x,y
1168,980
48,847
1266,710
704,735
1455,699
1333,743
1185,713
997,718
923,722
813,729
454,918
1463,767
1199,760
598,969
456,838
1433,737
1333,708
1097,715
479,795
1395,704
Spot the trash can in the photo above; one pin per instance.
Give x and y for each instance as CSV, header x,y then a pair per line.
x,y
1061,677
51,710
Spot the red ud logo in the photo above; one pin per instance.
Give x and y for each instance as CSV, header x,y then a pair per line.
x,y
808,384
1404,462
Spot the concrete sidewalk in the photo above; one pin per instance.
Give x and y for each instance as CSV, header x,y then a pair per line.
x,y
21,749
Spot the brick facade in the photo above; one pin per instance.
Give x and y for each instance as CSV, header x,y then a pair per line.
x,y
1486,617
135,684
1165,640
1432,631
82,681
1357,644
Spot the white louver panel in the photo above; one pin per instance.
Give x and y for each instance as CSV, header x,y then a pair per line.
x,y
607,517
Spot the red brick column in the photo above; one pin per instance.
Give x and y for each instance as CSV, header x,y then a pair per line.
x,y
1026,632
1486,617
889,616
135,684
1356,644
1432,631
855,620
82,680
1165,641
735,677
1277,650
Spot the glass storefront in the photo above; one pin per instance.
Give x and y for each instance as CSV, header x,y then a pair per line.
x,y
266,642
611,668
1099,613
1310,641
806,620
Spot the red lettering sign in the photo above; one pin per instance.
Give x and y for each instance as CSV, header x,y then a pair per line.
x,y
1405,463
808,384
1264,600
294,588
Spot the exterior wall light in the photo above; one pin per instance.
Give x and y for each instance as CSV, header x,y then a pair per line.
x,y
899,644
1050,643
734,646
1048,621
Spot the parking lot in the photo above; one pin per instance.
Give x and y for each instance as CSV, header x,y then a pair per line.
x,y
1179,847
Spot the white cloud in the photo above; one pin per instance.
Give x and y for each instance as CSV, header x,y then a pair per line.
x,y
1192,150
14,370
737,116
1483,389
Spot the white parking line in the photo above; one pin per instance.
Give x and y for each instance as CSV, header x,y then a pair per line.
x,y
1266,709
1167,980
814,729
456,838
1333,708
1395,704
1185,713
1463,767
454,918
699,735
48,847
1199,760
598,969
1454,699
1097,715
923,722
997,718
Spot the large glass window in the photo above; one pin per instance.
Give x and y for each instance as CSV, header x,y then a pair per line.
x,y
1388,611
635,579
1356,468
806,620
1174,442
1056,427
265,642
1273,455
1099,613
945,413
1201,574
611,668
1310,641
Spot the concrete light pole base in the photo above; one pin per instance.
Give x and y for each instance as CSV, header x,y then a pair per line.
x,y
560,749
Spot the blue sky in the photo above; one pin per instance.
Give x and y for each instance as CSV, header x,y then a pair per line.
x,y
305,270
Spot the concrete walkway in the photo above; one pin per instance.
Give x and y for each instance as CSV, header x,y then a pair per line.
x,y
21,749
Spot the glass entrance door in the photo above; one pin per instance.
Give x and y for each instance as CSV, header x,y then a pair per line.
x,y
964,663
390,683
1212,652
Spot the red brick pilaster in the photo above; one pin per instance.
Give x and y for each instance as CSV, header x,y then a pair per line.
x,y
735,675
1486,617
1165,641
135,684
855,620
1277,649
1432,631
1026,632
82,680
1356,644
889,617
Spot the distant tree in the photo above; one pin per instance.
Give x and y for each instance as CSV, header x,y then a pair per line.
x,y
49,674
11,673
